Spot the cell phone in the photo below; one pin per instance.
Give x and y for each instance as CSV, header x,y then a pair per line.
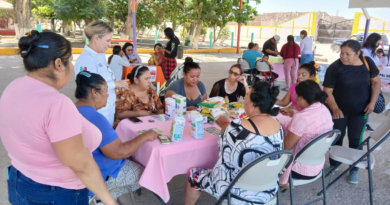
x,y
135,120
164,139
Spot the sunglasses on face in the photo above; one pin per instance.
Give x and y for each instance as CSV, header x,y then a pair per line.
x,y
234,73
129,49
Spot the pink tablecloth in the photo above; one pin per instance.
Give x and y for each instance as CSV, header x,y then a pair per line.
x,y
278,68
163,162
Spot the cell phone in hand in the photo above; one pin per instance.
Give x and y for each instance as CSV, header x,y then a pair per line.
x,y
164,139
135,120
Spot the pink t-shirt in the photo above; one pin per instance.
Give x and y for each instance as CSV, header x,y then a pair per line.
x,y
293,96
33,115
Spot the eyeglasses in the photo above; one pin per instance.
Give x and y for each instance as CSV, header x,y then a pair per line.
x,y
234,73
130,49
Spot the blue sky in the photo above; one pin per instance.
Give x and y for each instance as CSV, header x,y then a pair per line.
x,y
329,6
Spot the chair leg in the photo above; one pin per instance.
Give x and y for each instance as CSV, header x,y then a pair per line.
x,y
323,185
139,192
132,197
370,180
291,190
278,196
229,199
334,181
160,199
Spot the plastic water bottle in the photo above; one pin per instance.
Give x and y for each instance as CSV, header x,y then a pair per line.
x,y
152,60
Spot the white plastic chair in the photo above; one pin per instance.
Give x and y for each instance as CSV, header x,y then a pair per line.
x,y
360,158
247,67
269,170
313,153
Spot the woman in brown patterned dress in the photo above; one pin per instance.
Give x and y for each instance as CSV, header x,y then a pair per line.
x,y
140,100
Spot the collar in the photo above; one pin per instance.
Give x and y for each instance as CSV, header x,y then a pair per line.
x,y
90,50
314,106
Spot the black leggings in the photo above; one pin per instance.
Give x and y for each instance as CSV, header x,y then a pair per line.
x,y
296,175
356,124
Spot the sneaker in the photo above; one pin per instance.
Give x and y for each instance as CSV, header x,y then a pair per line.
x,y
369,128
327,170
353,177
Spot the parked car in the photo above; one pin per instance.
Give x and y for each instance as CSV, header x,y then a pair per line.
x,y
298,39
359,37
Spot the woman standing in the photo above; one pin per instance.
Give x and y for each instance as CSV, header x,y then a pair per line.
x,y
290,52
117,62
306,45
47,139
93,59
353,90
130,54
170,52
368,48
234,87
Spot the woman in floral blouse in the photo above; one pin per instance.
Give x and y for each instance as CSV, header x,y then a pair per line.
x,y
140,100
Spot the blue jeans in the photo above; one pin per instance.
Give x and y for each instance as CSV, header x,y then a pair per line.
x,y
305,58
24,191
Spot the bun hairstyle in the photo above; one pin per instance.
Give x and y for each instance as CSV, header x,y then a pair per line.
x,y
85,81
136,73
311,92
189,64
115,51
97,27
310,68
39,50
264,97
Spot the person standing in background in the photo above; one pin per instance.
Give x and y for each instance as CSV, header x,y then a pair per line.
x,y
290,52
170,52
270,47
306,46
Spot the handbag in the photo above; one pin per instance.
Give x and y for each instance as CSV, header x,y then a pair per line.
x,y
380,104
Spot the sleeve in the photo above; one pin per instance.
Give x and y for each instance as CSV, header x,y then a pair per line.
x,y
330,76
123,101
108,133
215,90
302,45
138,58
63,120
298,125
374,71
123,61
283,50
175,87
385,61
202,88
258,54
85,61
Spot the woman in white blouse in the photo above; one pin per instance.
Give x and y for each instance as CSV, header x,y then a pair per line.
x,y
116,62
306,46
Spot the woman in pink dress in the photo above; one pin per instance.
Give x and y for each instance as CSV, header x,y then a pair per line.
x,y
310,122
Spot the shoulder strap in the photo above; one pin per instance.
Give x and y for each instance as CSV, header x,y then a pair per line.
x,y
254,126
365,62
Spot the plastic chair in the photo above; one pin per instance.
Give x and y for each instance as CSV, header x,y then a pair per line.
x,y
360,158
313,153
263,67
269,170
247,67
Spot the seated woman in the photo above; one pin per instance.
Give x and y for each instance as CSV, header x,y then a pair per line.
x,y
189,86
130,54
116,62
140,99
111,155
261,134
305,72
313,120
234,87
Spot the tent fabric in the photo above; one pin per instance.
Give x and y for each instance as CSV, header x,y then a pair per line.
x,y
369,3
5,5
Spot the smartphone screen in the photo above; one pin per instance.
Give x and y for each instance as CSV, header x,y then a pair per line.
x,y
164,139
135,120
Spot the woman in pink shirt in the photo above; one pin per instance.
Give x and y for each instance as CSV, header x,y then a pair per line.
x,y
313,120
48,141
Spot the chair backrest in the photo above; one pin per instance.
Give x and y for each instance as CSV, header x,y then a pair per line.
x,y
380,132
261,174
244,63
313,153
262,66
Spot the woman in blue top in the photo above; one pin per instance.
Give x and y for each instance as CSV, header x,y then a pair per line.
x,y
111,155
189,86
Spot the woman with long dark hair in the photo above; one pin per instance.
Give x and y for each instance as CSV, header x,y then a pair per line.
x,y
116,61
290,52
170,52
130,54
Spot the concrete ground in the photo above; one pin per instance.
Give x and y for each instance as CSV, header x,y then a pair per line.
x,y
215,67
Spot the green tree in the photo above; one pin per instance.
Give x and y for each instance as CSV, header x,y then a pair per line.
x,y
43,9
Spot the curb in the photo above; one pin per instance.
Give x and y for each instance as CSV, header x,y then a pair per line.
x,y
15,51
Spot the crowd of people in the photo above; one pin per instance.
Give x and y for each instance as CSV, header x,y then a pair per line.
x,y
49,134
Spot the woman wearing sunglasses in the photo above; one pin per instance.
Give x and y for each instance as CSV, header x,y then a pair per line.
x,y
234,86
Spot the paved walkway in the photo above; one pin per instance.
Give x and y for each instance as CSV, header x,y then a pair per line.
x,y
215,67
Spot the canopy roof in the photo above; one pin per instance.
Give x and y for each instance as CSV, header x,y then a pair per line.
x,y
369,3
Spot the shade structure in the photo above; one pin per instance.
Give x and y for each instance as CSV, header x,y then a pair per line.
x,y
5,5
369,3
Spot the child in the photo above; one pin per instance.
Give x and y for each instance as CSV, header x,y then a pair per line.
x,y
383,61
116,62
270,76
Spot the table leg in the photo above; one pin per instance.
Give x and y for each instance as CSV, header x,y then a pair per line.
x,y
160,199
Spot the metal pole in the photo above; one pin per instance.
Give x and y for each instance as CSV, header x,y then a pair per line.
x,y
232,40
239,31
211,39
252,37
388,56
366,29
155,36
134,26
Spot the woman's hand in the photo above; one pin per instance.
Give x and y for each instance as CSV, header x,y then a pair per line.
x,y
242,79
338,114
122,84
369,109
287,112
150,135
222,121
